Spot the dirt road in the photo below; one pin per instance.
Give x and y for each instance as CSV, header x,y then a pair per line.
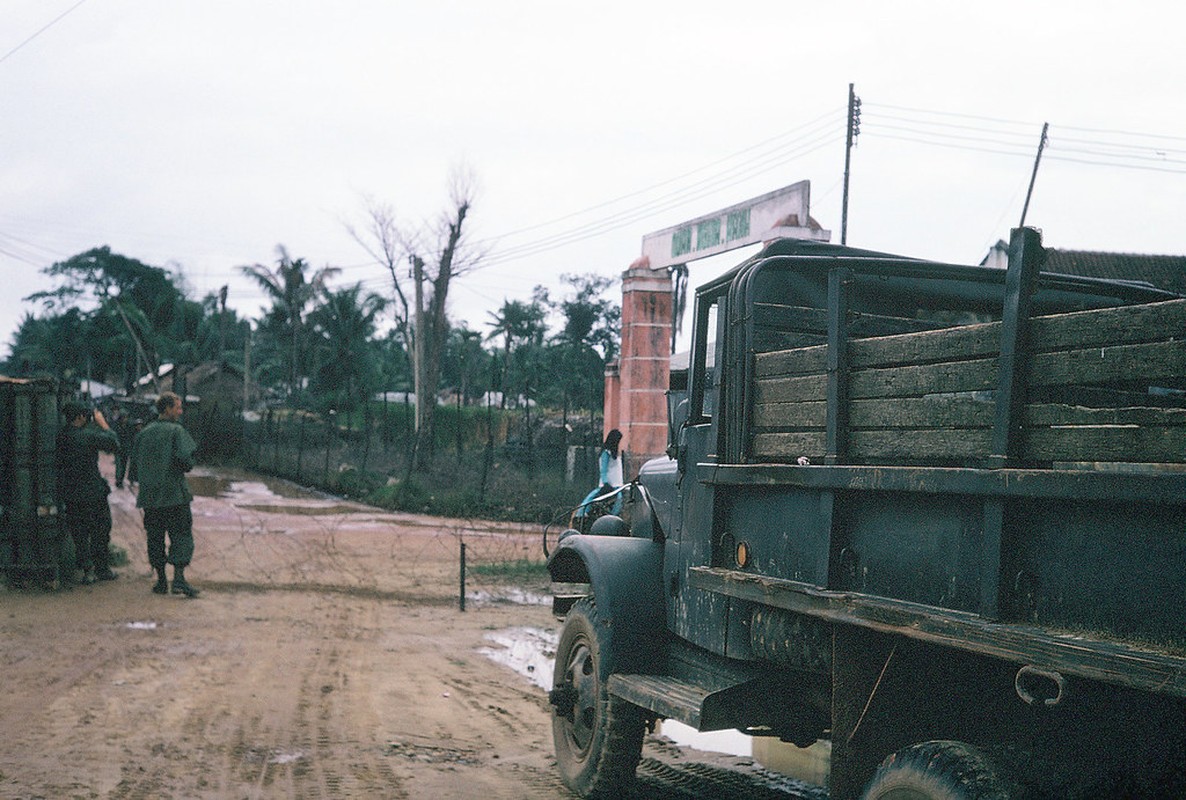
x,y
325,658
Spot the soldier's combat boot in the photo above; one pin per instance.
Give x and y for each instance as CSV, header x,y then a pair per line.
x,y
180,586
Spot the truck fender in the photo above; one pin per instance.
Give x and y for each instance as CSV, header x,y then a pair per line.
x,y
624,575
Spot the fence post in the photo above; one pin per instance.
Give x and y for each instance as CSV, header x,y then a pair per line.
x,y
264,428
366,434
461,597
301,448
385,429
459,392
276,445
328,441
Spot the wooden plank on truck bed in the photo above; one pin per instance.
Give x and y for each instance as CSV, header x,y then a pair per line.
x,y
1053,333
1119,444
1149,362
926,397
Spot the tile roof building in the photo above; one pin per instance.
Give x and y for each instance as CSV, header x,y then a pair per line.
x,y
1164,272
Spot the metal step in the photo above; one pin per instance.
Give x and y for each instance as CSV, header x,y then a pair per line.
x,y
695,705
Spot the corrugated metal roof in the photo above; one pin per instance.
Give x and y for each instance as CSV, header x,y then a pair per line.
x,y
1164,272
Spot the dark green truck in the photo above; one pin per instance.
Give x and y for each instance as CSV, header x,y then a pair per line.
x,y
933,513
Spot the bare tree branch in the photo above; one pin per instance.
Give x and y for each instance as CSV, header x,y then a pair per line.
x,y
422,292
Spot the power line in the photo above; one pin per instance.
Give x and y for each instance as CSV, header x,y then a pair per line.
x,y
956,146
667,201
42,30
950,114
1127,133
1159,157
957,126
955,136
1098,163
1155,158
807,125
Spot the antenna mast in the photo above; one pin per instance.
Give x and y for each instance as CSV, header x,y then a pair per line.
x,y
1033,177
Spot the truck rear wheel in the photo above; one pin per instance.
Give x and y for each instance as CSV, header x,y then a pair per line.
x,y
936,771
598,737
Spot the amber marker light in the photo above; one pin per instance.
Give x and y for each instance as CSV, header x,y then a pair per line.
x,y
742,554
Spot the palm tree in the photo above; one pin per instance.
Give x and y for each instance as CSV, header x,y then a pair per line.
x,y
516,321
343,328
290,292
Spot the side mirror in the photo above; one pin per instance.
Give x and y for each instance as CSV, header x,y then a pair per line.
x,y
677,418
681,455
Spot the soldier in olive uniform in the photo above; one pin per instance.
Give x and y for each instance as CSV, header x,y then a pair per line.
x,y
83,490
161,455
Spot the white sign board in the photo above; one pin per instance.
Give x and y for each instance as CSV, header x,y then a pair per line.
x,y
783,212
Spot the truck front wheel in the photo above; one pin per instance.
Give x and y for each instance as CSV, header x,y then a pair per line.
x,y
598,737
936,771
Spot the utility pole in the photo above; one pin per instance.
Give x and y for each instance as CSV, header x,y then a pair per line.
x,y
1033,177
222,293
247,371
854,129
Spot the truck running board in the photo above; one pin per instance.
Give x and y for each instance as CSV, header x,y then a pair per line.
x,y
697,706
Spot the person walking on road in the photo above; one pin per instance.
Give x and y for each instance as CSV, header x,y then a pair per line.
x,y
161,455
83,490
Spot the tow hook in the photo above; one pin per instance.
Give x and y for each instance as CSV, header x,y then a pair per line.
x,y
1029,679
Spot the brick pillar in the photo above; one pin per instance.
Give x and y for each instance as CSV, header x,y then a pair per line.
x,y
644,364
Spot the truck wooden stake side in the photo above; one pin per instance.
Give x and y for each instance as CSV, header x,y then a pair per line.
x,y
932,513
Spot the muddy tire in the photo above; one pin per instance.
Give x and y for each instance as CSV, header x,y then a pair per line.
x,y
598,737
937,771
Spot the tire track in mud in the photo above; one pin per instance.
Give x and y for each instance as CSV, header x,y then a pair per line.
x,y
310,733
331,761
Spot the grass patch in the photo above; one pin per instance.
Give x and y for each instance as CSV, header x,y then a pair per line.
x,y
520,570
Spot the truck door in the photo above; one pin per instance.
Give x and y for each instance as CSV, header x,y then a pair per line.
x,y
695,615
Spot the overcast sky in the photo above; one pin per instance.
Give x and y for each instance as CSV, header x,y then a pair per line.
x,y
199,134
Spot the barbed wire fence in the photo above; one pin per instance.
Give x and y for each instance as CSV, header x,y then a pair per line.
x,y
534,475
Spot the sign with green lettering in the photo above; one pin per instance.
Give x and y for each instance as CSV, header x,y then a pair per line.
x,y
784,212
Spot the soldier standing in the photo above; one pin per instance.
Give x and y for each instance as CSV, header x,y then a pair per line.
x,y
83,489
161,455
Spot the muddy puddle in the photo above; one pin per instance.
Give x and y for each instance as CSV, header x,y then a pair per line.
x,y
301,511
262,487
509,594
531,652
269,496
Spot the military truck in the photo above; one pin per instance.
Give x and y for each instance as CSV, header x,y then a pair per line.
x,y
931,513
